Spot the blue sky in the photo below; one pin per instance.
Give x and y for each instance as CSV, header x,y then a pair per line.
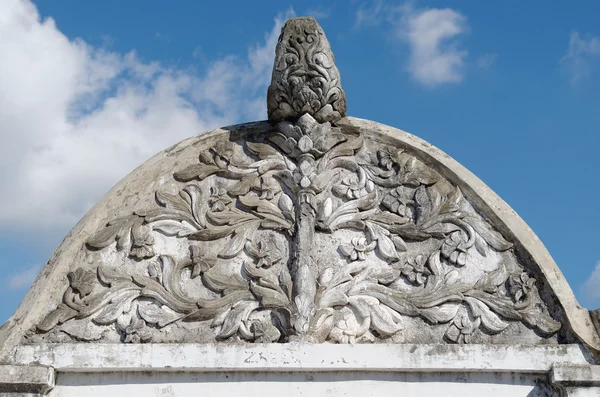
x,y
90,89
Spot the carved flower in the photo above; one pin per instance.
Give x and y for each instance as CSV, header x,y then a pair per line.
x,y
136,331
201,262
415,270
219,199
264,331
82,281
344,330
307,136
462,328
265,254
388,158
142,246
520,285
357,248
268,187
401,201
223,152
352,187
453,248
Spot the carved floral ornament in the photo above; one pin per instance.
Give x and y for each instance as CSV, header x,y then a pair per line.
x,y
408,245
311,232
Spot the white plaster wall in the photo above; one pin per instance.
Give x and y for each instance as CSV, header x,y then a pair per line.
x,y
360,384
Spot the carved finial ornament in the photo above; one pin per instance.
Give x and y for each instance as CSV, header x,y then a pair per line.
x,y
305,78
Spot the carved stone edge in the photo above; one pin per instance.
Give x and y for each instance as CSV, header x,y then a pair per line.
x,y
501,216
192,357
16,380
576,380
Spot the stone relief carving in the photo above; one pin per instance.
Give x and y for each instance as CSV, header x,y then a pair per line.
x,y
251,220
305,78
313,232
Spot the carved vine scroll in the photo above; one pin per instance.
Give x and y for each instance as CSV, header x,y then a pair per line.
x,y
407,238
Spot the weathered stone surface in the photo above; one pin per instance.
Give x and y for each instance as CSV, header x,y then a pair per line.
x,y
301,231
30,380
298,369
576,380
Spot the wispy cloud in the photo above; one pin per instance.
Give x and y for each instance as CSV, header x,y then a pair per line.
x,y
370,14
436,57
23,279
579,54
74,119
432,35
591,289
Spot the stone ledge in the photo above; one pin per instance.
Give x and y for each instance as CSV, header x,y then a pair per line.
x,y
298,357
588,375
25,380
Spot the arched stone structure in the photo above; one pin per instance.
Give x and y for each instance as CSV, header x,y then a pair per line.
x,y
333,247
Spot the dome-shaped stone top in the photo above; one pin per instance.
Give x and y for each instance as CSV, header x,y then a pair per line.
x,y
313,227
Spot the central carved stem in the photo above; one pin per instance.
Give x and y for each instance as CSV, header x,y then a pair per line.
x,y
305,287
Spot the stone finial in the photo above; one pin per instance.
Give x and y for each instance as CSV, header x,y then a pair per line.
x,y
305,78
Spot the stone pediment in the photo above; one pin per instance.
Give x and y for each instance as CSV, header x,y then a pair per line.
x,y
311,227
301,230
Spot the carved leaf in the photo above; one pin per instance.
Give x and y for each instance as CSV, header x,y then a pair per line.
x,y
395,300
503,307
111,277
154,314
174,228
347,148
262,206
386,246
218,278
107,235
264,151
58,316
349,213
492,237
119,303
388,218
285,203
383,322
172,201
244,185
488,319
236,315
440,314
424,204
490,281
237,242
269,297
196,171
211,308
544,323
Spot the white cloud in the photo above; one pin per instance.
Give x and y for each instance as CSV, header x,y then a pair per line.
x,y
591,289
432,35
24,279
578,55
435,57
74,119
